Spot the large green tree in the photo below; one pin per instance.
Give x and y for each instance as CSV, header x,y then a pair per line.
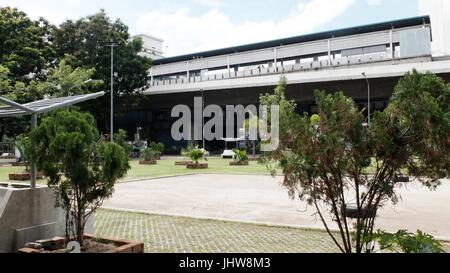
x,y
85,43
347,170
26,45
80,167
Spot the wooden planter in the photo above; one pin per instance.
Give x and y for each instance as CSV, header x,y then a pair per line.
x,y
24,176
151,162
183,163
239,163
56,245
351,211
19,164
198,166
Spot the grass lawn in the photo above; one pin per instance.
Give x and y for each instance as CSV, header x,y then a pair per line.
x,y
166,167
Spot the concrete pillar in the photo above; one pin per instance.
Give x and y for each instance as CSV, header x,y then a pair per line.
x,y
33,165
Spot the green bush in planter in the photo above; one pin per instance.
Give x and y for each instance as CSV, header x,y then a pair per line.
x,y
151,154
81,169
196,154
241,155
157,147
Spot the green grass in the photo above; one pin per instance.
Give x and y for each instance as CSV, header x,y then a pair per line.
x,y
166,167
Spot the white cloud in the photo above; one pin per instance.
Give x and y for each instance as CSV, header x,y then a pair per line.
x,y
373,2
209,3
185,33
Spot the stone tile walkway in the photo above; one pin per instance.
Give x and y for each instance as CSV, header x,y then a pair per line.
x,y
167,234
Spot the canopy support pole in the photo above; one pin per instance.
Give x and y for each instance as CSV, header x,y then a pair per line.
x,y
33,164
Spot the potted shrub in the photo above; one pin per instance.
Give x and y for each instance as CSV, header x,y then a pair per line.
x,y
80,169
150,157
241,158
185,154
159,147
197,154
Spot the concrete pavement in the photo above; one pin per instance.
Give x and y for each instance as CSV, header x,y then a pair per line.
x,y
261,199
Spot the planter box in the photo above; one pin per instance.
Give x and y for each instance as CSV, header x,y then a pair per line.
x,y
19,164
24,176
197,166
239,163
56,245
351,211
183,163
151,162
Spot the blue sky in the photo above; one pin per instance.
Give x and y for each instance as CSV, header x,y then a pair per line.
x,y
195,25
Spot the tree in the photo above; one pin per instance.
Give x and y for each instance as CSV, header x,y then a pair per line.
x,y
26,44
81,169
332,159
64,80
85,42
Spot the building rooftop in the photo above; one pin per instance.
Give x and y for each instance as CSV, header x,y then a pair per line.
x,y
408,22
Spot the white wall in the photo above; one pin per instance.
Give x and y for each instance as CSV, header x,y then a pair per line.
x,y
439,10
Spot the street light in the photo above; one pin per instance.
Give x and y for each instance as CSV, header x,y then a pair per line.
x,y
112,46
368,97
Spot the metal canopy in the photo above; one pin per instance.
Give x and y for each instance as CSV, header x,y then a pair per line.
x,y
14,109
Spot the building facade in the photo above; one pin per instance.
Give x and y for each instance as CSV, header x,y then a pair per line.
x,y
349,60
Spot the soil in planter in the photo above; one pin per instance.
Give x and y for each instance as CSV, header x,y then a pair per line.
x,y
152,162
239,163
93,246
183,163
24,176
199,166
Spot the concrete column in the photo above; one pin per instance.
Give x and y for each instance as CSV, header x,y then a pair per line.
x,y
151,76
187,70
228,66
391,42
329,52
275,60
33,165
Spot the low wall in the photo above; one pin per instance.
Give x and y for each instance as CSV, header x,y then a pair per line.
x,y
28,215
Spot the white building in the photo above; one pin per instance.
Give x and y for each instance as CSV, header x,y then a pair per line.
x,y
153,47
439,11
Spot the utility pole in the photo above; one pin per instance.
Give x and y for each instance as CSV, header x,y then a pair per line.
x,y
112,46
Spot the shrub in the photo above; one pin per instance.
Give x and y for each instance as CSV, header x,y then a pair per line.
x,y
157,147
81,169
151,154
196,154
120,138
406,242
241,155
326,159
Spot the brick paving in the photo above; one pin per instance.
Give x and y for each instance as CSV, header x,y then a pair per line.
x,y
167,234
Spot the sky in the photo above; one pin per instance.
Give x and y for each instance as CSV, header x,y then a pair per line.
x,y
189,26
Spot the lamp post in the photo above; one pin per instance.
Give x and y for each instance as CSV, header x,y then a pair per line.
x,y
203,119
112,46
368,97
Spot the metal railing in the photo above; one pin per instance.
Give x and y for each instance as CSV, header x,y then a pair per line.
x,y
262,71
7,148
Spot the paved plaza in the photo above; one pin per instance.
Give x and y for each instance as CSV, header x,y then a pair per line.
x,y
262,200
